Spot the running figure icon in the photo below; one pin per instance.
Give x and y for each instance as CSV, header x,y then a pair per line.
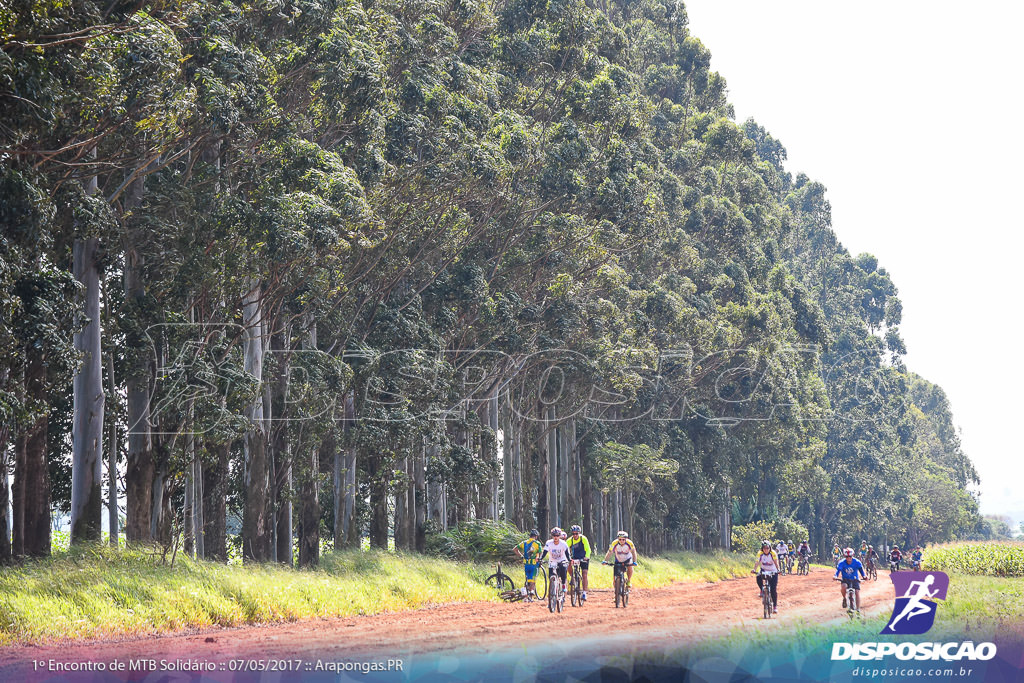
x,y
914,611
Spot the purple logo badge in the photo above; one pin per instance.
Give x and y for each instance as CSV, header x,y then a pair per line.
x,y
916,592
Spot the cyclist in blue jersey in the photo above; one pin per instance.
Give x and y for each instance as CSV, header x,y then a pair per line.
x,y
530,551
852,570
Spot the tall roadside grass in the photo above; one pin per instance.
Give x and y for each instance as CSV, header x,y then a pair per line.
x,y
104,593
982,558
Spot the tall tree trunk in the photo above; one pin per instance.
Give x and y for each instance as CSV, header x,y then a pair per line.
x,y
113,519
18,490
345,532
256,529
35,476
5,497
309,503
87,420
507,473
215,486
379,475
279,445
551,452
140,467
420,483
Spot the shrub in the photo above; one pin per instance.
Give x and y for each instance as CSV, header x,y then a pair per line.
x,y
479,540
747,538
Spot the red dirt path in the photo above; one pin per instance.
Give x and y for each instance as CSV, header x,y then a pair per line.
x,y
682,612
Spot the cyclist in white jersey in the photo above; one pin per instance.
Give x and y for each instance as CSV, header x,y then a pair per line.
x,y
557,552
768,565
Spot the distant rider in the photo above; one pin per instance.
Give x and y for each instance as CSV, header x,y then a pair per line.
x,y
895,556
579,549
530,550
850,567
915,559
768,565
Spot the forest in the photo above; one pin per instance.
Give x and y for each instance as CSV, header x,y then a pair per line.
x,y
284,275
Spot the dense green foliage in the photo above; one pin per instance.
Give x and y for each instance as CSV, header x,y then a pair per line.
x,y
394,263
989,559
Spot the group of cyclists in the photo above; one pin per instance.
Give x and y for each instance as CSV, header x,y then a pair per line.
x,y
563,548
771,562
869,556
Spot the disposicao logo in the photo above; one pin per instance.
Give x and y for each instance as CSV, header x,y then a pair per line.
x,y
914,612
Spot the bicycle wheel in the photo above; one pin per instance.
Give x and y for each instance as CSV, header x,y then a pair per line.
x,y
618,591
541,583
553,592
503,582
560,604
625,594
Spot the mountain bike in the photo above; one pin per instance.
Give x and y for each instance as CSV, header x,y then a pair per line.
x,y
556,591
851,599
872,570
576,585
766,594
620,584
500,580
804,568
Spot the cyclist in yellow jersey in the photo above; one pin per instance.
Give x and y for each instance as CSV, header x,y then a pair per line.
x,y
625,553
530,551
579,549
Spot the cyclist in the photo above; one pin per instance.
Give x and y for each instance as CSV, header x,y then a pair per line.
x,y
836,553
625,553
558,562
850,567
792,555
895,556
805,551
768,564
530,550
863,550
915,559
872,556
579,549
781,550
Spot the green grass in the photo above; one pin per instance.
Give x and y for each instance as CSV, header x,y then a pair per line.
x,y
102,593
989,559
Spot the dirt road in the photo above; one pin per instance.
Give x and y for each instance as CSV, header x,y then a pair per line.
x,y
681,613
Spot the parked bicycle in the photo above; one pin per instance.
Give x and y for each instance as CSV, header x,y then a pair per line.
x,y
576,585
500,580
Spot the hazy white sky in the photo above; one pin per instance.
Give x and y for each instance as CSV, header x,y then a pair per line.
x,y
910,114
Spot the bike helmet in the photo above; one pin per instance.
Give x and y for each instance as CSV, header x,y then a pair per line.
x,y
534,533
576,529
622,534
564,535
871,547
848,552
765,544
555,531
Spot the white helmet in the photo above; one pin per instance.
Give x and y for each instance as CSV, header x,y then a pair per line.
x,y
623,534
